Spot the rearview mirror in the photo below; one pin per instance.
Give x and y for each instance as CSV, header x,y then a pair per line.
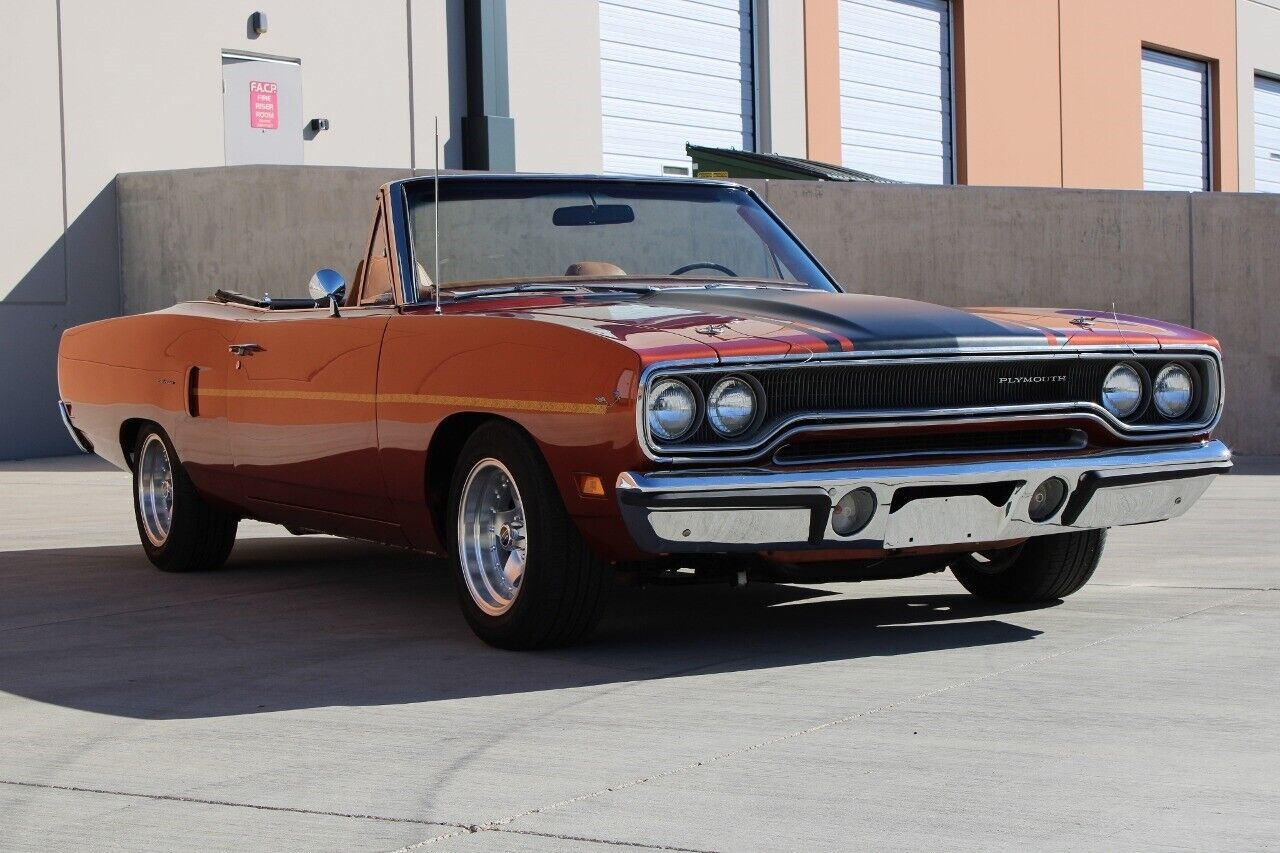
x,y
594,214
327,284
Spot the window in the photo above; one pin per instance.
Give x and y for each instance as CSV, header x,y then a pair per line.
x,y
1175,123
674,72
655,233
1266,134
895,89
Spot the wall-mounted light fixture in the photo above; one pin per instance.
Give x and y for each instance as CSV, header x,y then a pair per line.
x,y
319,124
258,22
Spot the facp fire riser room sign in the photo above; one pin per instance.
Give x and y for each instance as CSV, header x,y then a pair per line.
x,y
264,113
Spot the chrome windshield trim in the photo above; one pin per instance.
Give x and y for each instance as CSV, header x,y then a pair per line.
x,y
402,236
768,442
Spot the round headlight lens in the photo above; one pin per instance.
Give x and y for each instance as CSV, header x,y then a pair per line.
x,y
1173,391
672,409
731,406
1122,391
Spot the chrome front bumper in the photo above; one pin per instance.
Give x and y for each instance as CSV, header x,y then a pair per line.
x,y
713,511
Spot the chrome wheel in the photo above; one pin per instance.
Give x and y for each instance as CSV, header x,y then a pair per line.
x,y
492,548
155,490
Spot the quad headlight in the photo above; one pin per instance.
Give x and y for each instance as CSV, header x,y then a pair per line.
x,y
672,409
732,406
1122,390
1173,391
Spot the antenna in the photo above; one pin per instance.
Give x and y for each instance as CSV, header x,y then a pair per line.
x,y
435,212
1120,329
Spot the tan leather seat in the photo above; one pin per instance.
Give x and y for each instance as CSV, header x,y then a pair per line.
x,y
594,269
426,292
353,288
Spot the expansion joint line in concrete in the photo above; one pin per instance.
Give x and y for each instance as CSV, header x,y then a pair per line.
x,y
458,828
200,801
502,823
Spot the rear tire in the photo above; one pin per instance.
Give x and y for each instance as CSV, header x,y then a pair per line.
x,y
524,576
178,530
1044,568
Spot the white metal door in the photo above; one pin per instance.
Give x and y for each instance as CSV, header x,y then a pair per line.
x,y
261,110
1175,122
1266,134
895,88
674,72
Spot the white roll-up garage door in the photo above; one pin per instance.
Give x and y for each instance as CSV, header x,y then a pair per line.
x,y
1175,122
895,88
673,72
1266,134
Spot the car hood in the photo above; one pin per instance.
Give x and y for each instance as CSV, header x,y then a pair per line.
x,y
735,322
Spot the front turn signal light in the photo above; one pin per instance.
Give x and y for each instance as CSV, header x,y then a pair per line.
x,y
590,486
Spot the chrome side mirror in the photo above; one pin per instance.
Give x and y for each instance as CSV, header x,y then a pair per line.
x,y
327,284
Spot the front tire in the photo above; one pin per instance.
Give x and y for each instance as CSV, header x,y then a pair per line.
x,y
1044,568
179,531
524,576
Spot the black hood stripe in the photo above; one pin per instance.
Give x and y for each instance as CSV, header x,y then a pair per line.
x,y
869,322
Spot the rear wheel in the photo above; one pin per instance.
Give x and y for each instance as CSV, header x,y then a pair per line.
x,y
1043,568
524,576
179,531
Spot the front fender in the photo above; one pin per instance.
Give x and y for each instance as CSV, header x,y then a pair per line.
x,y
573,392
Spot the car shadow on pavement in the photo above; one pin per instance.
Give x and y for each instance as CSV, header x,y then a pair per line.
x,y
314,622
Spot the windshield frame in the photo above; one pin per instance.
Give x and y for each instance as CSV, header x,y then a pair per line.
x,y
407,191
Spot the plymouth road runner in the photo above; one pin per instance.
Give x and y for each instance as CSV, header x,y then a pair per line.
x,y
556,380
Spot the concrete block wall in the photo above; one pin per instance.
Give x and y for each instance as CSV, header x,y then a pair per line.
x,y
255,229
1236,275
1209,260
975,246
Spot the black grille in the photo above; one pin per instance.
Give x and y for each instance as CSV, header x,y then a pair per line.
x,y
869,387
950,443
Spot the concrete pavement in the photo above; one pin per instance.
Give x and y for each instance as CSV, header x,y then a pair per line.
x,y
324,694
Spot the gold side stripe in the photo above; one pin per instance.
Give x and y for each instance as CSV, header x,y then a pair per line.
x,y
413,399
336,396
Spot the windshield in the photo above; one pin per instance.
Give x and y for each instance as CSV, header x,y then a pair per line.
x,y
509,231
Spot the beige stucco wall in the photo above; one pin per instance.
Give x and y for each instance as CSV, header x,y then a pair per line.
x,y
553,61
30,156
1258,51
781,74
438,57
143,90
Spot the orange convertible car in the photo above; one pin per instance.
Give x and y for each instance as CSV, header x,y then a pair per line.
x,y
551,378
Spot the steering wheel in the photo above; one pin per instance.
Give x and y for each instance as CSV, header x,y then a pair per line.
x,y
704,265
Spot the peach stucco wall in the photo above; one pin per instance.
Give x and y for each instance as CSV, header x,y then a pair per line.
x,y
1102,43
1049,92
822,79
1007,104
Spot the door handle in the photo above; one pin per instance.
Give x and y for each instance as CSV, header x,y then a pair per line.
x,y
244,349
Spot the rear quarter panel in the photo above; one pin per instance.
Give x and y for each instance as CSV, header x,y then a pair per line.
x,y
142,367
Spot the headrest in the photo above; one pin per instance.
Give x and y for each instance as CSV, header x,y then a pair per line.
x,y
594,268
423,281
